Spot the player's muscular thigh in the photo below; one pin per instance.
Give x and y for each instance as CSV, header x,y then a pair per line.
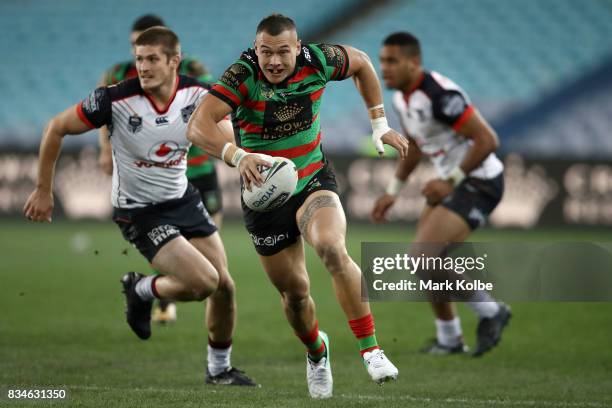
x,y
323,212
323,224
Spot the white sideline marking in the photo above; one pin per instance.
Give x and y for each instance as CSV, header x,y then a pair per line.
x,y
538,403
488,402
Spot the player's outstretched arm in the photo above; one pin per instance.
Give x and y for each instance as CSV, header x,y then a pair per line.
x,y
405,166
366,80
207,130
39,205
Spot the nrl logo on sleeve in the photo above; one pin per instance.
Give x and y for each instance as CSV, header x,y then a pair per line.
x,y
91,103
187,111
135,123
453,105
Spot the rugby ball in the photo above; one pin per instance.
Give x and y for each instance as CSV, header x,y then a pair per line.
x,y
280,181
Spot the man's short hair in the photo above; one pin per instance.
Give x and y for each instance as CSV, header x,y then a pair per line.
x,y
160,36
276,23
409,43
147,21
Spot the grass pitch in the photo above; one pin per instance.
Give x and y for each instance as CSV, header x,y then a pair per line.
x,y
62,326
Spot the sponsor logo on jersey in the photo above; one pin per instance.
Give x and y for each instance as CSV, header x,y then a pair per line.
x,y
235,75
161,120
270,240
312,184
135,123
306,53
158,234
282,119
164,154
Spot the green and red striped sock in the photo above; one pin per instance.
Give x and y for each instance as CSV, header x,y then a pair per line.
x,y
363,329
314,344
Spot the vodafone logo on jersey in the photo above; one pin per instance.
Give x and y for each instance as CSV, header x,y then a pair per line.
x,y
163,154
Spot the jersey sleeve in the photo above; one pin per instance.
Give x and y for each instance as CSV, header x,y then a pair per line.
x,y
334,59
232,87
200,96
96,110
452,108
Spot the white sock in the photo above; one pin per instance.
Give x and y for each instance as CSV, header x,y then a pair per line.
x,y
448,332
483,304
218,359
144,288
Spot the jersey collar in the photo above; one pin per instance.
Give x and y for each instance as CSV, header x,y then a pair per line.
x,y
164,110
414,87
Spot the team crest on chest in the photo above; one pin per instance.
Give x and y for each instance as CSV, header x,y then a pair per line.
x,y
267,92
135,123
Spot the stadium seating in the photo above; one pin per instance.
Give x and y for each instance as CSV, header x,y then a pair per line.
x,y
573,122
504,54
497,49
55,52
507,55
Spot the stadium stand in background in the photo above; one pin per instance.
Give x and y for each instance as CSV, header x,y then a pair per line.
x,y
55,52
539,70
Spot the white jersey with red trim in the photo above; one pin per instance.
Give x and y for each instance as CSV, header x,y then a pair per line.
x,y
149,145
431,114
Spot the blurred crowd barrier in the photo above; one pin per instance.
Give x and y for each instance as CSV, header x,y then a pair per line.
x,y
538,192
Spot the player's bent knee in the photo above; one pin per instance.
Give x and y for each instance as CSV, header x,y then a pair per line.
x,y
204,286
226,287
297,302
333,253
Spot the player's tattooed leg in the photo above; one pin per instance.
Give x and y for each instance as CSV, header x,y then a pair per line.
x,y
319,202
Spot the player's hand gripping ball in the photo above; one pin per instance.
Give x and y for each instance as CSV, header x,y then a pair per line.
x,y
280,180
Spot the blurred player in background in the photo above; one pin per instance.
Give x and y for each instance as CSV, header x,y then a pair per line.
x,y
275,93
156,208
200,168
438,118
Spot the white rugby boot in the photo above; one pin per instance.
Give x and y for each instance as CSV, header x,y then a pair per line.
x,y
380,368
319,375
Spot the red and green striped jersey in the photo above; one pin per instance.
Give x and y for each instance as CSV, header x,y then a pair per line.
x,y
283,119
198,162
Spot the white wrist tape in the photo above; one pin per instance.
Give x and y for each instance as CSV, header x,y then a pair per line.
x,y
394,186
456,176
239,154
382,105
224,150
379,128
236,157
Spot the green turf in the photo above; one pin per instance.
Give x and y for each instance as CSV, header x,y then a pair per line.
x,y
62,326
